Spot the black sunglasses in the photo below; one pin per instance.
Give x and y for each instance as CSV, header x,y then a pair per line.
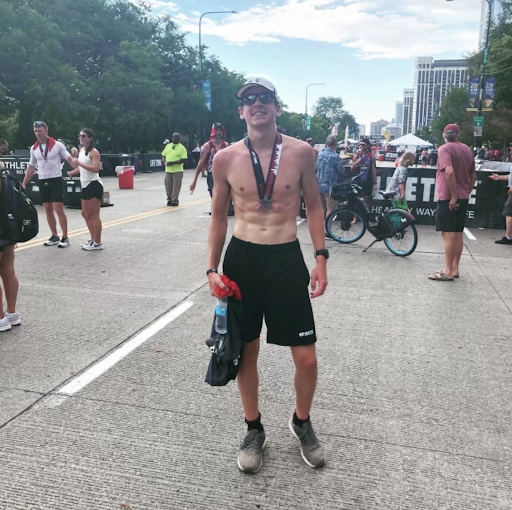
x,y
82,136
265,98
38,123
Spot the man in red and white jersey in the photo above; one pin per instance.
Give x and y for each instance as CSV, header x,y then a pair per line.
x,y
47,154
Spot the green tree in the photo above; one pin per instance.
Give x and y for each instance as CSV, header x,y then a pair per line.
x,y
320,128
131,96
453,111
331,109
292,122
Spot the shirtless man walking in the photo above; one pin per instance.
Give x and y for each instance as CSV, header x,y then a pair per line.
x,y
208,151
265,260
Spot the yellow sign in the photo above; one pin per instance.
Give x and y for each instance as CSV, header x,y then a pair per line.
x,y
386,136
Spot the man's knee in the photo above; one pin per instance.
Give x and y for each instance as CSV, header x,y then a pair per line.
x,y
305,358
58,207
250,352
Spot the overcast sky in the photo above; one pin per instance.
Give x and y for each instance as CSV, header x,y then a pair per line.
x,y
363,51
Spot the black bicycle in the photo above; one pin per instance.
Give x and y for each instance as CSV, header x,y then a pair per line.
x,y
351,220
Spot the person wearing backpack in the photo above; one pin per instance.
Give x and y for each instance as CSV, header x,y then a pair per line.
x,y
47,154
10,281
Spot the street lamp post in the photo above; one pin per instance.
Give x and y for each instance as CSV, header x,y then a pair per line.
x,y
200,19
484,63
306,117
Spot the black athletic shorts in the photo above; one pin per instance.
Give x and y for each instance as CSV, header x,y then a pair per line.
x,y
93,190
274,283
507,209
209,182
451,221
4,246
52,190
366,185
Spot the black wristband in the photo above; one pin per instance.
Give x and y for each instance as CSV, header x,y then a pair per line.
x,y
213,270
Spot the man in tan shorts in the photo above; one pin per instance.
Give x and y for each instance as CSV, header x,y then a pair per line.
x,y
263,175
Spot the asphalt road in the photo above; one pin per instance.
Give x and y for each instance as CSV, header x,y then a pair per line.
x,y
103,403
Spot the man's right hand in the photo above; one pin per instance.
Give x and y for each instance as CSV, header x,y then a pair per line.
x,y
215,282
193,185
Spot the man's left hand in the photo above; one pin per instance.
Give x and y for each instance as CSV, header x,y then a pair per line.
x,y
454,206
319,278
509,190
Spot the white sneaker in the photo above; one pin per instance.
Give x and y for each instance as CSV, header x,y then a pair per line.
x,y
93,246
90,241
14,318
5,325
64,242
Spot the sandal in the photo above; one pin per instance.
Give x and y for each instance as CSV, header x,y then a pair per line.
x,y
455,275
440,277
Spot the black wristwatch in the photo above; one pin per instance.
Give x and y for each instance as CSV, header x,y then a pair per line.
x,y
323,253
212,270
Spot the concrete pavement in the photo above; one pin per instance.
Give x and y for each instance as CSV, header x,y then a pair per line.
x,y
413,402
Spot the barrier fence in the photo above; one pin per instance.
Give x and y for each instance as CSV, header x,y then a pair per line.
x,y
485,204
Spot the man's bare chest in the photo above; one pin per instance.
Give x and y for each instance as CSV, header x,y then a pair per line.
x,y
242,179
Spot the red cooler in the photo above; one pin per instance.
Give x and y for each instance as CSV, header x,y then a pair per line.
x,y
125,176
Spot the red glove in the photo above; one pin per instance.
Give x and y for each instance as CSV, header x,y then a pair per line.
x,y
233,289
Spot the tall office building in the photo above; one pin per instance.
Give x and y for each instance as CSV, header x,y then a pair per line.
x,y
407,108
496,11
376,127
399,106
362,129
432,81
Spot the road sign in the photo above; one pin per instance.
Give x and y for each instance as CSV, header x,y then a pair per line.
x,y
478,130
486,54
478,121
308,122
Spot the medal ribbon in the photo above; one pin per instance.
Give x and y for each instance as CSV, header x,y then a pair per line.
x,y
265,188
45,153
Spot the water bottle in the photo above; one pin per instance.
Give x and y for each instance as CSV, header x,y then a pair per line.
x,y
221,316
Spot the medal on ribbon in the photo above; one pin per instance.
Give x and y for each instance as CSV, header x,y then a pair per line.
x,y
265,188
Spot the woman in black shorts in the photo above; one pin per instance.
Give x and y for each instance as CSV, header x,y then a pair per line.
x,y
9,279
92,188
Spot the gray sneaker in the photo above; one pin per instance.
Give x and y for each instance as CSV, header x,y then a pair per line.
x,y
14,318
250,456
310,449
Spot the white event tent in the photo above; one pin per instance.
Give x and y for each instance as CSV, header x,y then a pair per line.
x,y
410,140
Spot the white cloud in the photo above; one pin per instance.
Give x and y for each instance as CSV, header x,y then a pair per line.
x,y
373,28
162,6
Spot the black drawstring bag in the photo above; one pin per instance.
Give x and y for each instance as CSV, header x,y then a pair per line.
x,y
226,349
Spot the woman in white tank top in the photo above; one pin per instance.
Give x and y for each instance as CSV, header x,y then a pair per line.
x,y
92,188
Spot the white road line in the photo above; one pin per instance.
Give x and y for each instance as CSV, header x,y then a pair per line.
x,y
469,234
300,221
142,179
157,187
105,364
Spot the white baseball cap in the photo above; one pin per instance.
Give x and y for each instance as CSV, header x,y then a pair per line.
x,y
166,141
253,82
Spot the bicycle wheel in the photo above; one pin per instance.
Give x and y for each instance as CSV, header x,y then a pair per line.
x,y
339,225
404,242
